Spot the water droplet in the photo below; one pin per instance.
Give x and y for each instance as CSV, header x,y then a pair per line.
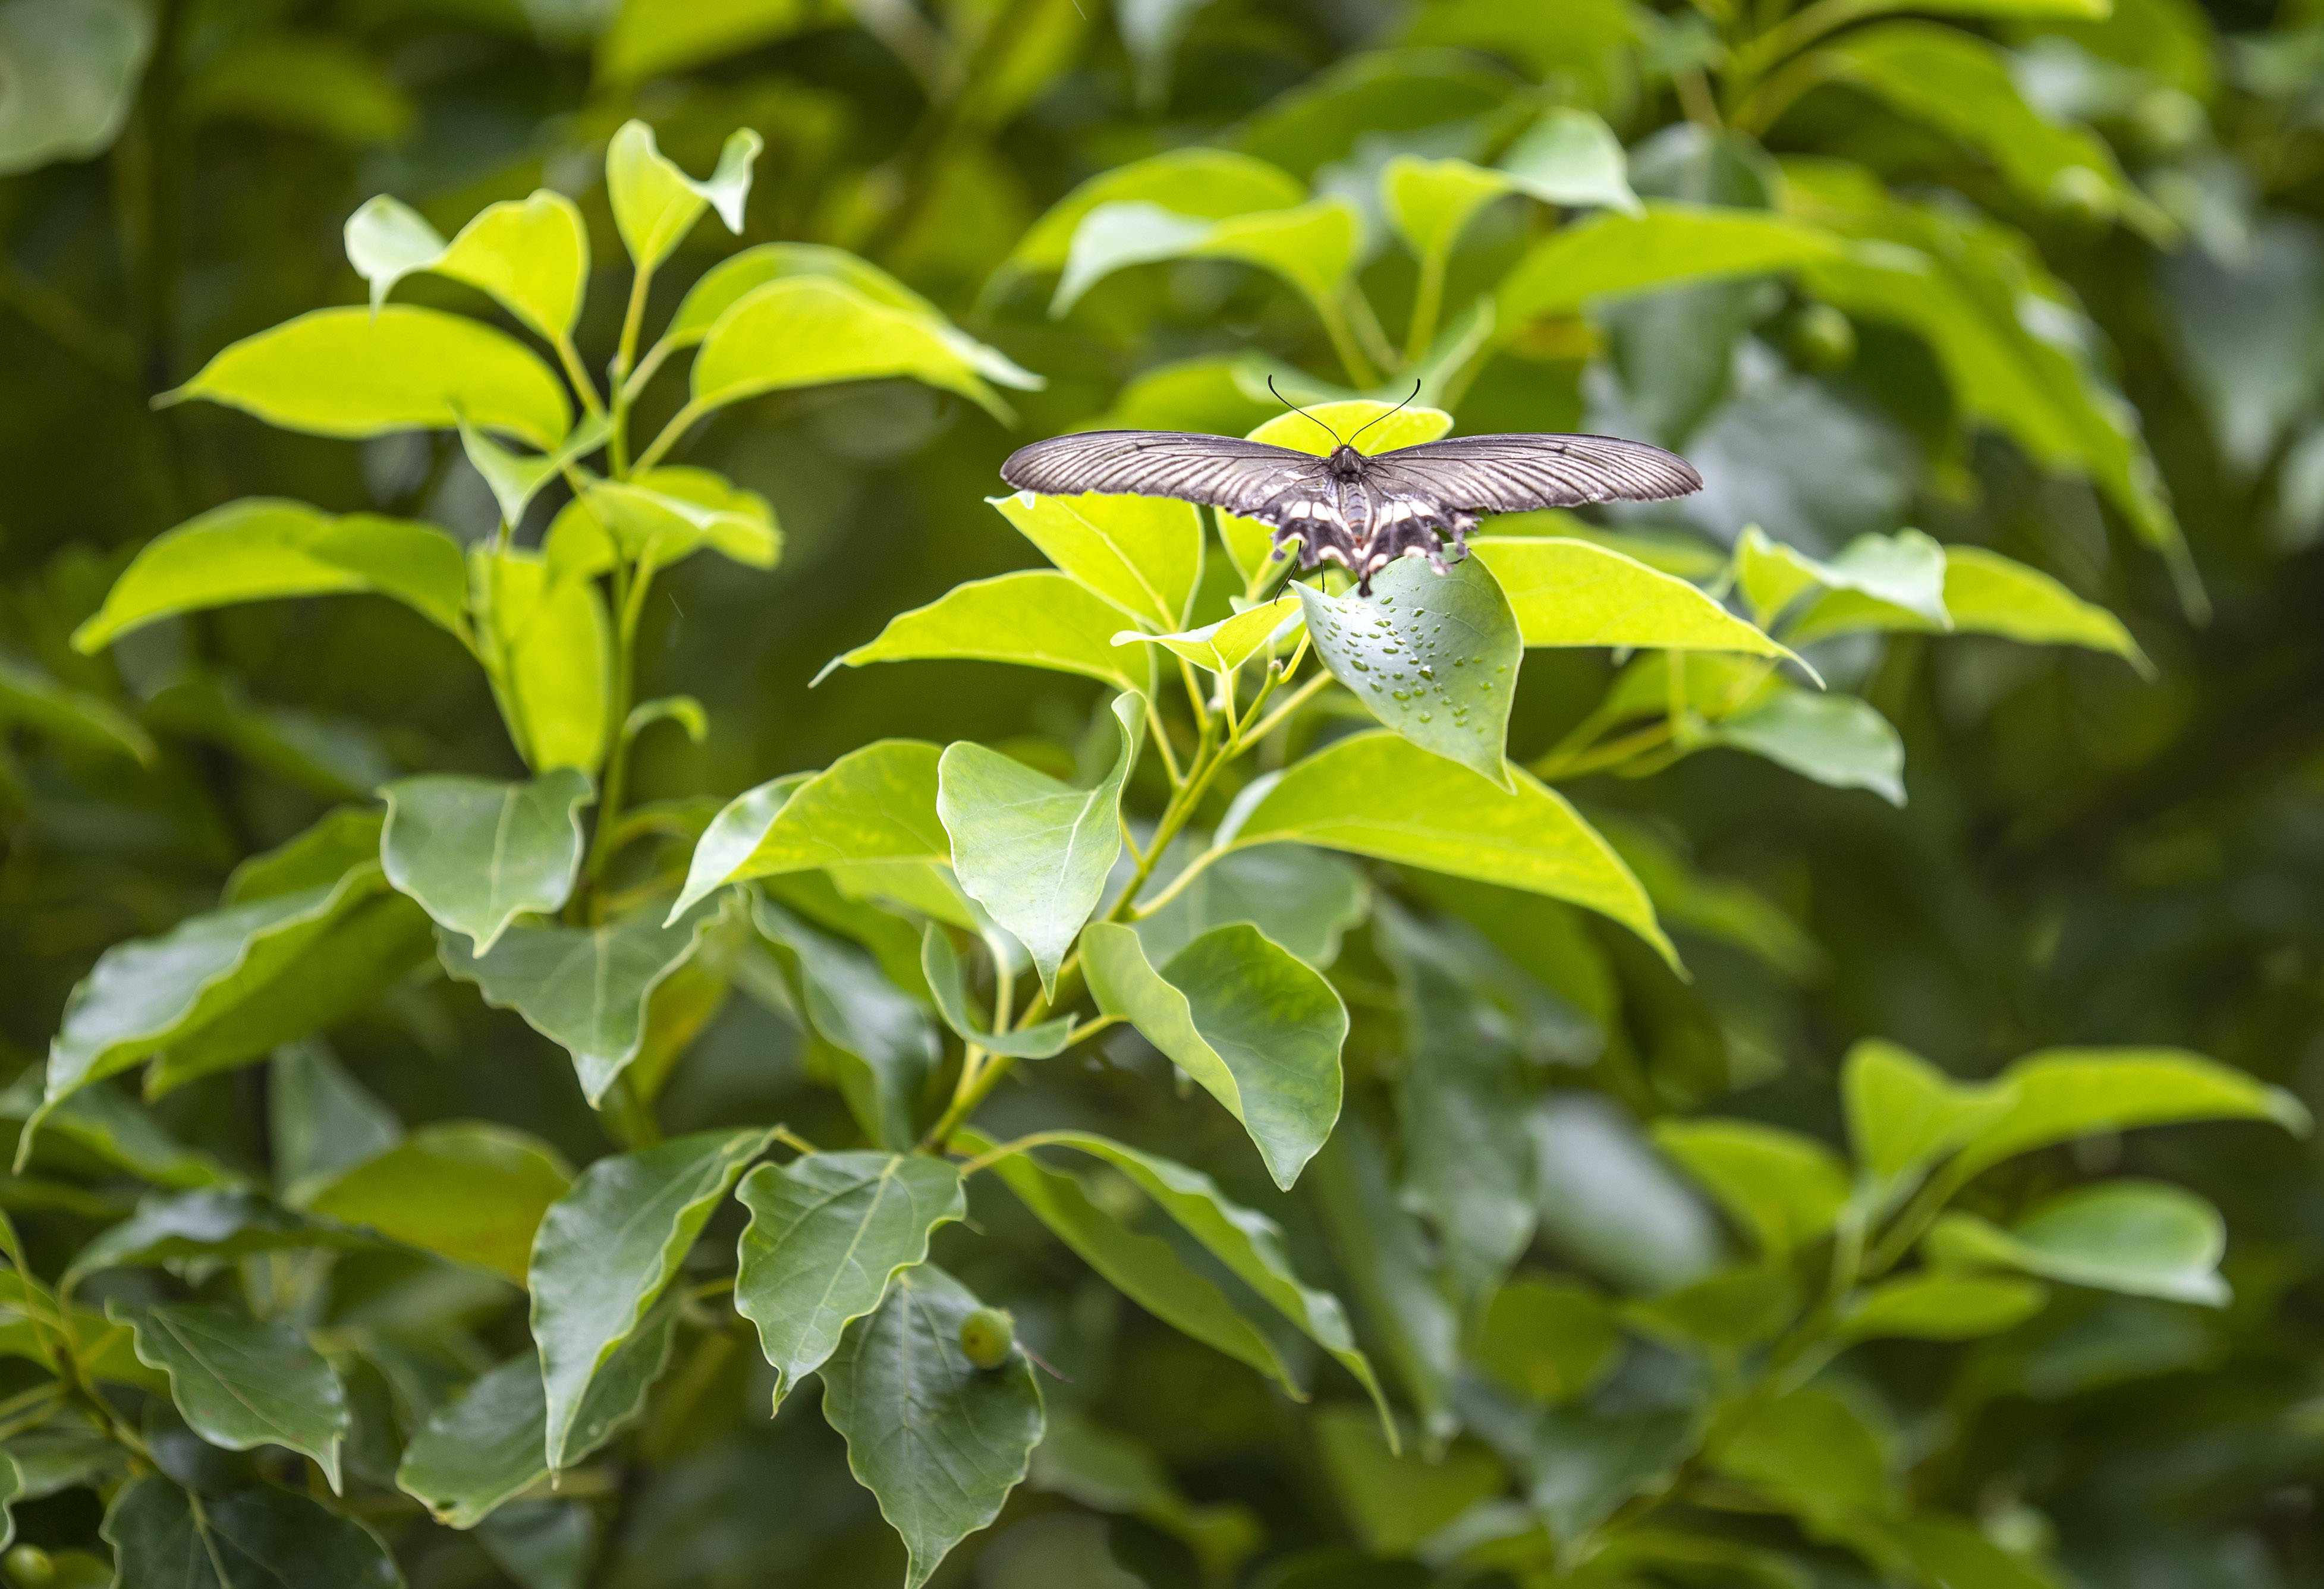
x,y
1425,717
1402,695
1428,673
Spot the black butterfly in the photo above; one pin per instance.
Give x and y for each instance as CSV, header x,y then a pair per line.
x,y
1359,511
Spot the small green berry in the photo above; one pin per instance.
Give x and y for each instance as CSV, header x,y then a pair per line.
x,y
30,1566
987,1335
1822,338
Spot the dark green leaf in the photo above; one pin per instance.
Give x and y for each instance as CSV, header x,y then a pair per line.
x,y
1398,1499
466,1190
1551,1339
883,1043
205,1223
1256,1027
606,1251
1381,1250
257,1538
828,1234
243,1382
1586,1464
938,1441
320,1121
1812,1451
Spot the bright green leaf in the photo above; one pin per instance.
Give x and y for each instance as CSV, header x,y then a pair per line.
x,y
878,804
648,39
531,255
1432,656
1256,1027
1377,795
829,1232
1568,592
1784,1188
243,1382
584,989
1312,246
1573,157
547,646
2145,1238
1903,1114
2062,1094
1615,254
345,372
655,204
1036,619
466,1190
1144,554
261,548
1210,183
1227,644
477,855
811,330
938,1441
1376,427
515,478
1034,852
1906,570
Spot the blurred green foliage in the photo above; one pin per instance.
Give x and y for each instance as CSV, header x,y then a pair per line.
x,y
2009,323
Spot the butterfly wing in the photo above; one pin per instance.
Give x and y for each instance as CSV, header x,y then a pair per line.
x,y
1513,473
1247,477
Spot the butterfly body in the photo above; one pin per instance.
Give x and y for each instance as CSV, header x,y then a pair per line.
x,y
1360,509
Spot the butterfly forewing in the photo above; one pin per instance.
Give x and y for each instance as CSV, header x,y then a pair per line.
x,y
1247,477
1514,474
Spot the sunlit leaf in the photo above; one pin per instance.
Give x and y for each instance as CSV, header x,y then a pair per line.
x,y
1838,740
1209,183
1574,593
262,548
345,372
1038,620
1375,794
1943,1307
1784,1188
875,804
655,204
531,255
1312,246
647,38
547,646
810,330
1032,851
1609,254
2146,1238
2062,1094
1227,644
1142,553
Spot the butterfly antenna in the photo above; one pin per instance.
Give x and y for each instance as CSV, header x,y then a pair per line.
x,y
1302,414
1376,418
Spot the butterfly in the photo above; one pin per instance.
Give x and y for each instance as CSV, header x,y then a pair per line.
x,y
1361,511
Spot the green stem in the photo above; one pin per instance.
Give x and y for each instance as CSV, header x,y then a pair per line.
x,y
1427,304
1925,1207
992,1156
631,585
793,1140
1292,703
578,372
671,433
1360,371
1369,332
633,322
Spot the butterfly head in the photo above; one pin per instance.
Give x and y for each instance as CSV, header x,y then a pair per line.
x,y
1346,463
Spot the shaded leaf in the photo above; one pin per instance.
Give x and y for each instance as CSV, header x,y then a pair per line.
x,y
1381,1253
1551,1339
2142,1237
606,1251
319,1121
1610,1202
243,1382
479,854
1812,1451
72,73
1300,898
210,1223
878,1039
1942,1307
1398,1499
1840,741
39,702
939,1442
466,1190
1585,1463
1192,181
1785,1188
261,1538
940,963
1256,1027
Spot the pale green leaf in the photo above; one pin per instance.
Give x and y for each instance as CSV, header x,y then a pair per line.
x,y
1034,852
655,204
487,1445
531,255
1312,246
515,478
1903,1114
811,330
938,1441
2062,1094
547,645
2145,1238
1208,183
1227,644
1786,1189
1036,619
1432,656
607,1249
1432,201
1145,1269
1144,554
345,372
261,1538
1905,571
1942,1307
1571,157
477,854
828,1234
68,73
261,548
466,1190
1568,592
1301,898
1984,593
1256,1027
584,989
243,1382
1841,740
877,804
1610,256
1375,794
946,977
663,516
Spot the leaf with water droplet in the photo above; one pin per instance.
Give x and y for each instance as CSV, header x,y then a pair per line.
x,y
1468,620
